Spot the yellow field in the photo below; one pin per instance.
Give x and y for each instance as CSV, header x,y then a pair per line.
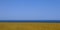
x,y
29,26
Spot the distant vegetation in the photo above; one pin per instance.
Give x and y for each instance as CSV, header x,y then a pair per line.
x,y
29,26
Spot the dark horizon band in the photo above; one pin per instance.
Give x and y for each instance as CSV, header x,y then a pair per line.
x,y
48,21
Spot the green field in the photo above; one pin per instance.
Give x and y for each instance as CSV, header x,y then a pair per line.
x,y
29,26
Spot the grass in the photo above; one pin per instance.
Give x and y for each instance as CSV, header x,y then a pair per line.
x,y
29,26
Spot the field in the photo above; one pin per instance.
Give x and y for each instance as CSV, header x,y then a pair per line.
x,y
29,26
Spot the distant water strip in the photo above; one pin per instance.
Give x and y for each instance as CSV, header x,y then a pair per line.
x,y
48,21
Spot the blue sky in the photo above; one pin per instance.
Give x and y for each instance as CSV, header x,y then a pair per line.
x,y
29,9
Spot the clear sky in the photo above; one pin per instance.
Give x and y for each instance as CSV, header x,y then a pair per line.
x,y
29,9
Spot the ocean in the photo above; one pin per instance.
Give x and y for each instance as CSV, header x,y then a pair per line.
x,y
50,21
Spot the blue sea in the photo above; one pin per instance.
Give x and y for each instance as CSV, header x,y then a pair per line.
x,y
48,21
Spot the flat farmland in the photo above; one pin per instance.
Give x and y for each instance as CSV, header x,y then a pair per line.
x,y
29,26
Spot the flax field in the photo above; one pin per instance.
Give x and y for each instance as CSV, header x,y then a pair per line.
x,y
29,26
